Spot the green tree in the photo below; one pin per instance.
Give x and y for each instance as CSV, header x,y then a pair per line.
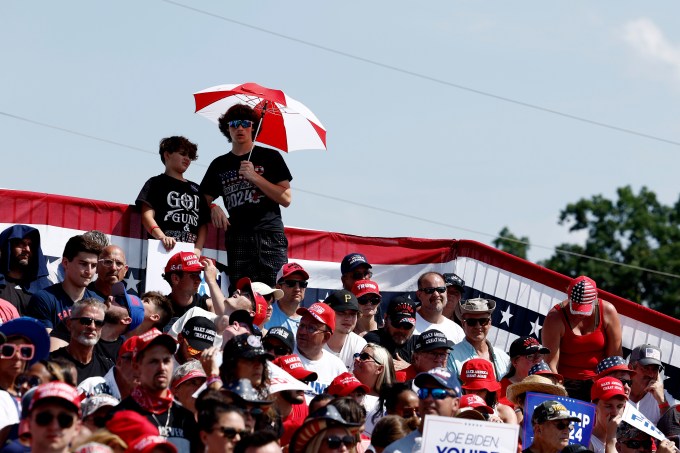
x,y
511,244
636,230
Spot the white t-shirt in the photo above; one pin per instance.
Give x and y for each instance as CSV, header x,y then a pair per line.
x,y
328,367
353,343
9,410
453,331
649,407
97,385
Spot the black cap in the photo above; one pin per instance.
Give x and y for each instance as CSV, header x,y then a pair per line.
x,y
342,300
454,280
200,332
552,410
242,316
402,309
247,346
282,334
526,346
352,261
432,339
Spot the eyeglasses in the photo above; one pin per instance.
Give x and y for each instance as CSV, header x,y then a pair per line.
x,y
310,329
439,289
628,382
230,433
110,263
373,300
334,442
359,275
292,283
438,394
472,322
278,350
646,444
244,123
28,380
64,419
23,351
562,425
364,356
87,321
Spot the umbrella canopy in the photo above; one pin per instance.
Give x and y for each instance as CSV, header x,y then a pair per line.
x,y
287,125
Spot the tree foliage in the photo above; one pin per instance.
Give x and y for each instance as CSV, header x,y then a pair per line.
x,y
634,229
511,244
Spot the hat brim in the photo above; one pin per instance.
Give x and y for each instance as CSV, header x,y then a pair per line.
x,y
580,309
162,340
609,370
398,319
609,394
304,311
426,378
302,374
314,426
514,390
479,384
649,361
470,413
33,330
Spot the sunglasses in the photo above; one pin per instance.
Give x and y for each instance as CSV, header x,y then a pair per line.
x,y
253,411
373,300
562,425
646,444
439,289
244,123
364,356
64,419
292,283
278,350
87,321
438,394
230,433
358,275
402,325
472,322
23,351
334,442
28,380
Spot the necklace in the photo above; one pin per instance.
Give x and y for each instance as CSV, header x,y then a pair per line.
x,y
163,430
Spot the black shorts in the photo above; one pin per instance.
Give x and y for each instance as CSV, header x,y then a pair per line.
x,y
258,255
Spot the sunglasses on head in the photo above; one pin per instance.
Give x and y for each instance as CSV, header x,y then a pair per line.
x,y
230,433
64,419
23,351
646,444
334,442
87,321
278,350
439,289
438,394
359,275
293,283
373,300
562,425
244,123
475,321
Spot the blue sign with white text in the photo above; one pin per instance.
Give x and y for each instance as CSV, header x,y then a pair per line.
x,y
579,434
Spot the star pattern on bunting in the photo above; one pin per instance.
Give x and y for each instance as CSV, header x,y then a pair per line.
x,y
506,316
132,283
53,269
536,327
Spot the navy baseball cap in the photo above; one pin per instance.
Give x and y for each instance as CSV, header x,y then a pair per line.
x,y
352,261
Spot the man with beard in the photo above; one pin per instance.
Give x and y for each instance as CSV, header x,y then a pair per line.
x,y
153,363
344,343
432,296
23,268
119,380
397,335
647,392
438,394
85,326
53,304
290,404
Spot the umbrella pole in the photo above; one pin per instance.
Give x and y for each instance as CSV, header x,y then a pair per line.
x,y
257,132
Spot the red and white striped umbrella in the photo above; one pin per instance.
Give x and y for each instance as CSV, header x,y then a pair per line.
x,y
287,125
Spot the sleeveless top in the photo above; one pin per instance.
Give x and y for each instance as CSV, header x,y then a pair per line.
x,y
580,354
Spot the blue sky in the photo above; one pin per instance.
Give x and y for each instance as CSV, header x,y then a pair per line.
x,y
384,77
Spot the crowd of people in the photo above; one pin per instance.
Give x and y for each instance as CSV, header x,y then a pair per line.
x,y
85,366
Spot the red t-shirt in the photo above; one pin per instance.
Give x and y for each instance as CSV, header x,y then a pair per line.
x,y
294,420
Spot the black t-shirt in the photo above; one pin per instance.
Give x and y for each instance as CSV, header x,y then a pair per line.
x,y
98,366
179,206
15,294
249,208
200,301
384,339
181,429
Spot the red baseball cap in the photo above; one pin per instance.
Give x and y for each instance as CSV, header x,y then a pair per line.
x,y
478,374
148,444
293,366
260,309
56,390
289,269
475,402
363,287
344,384
152,337
607,388
321,312
183,262
582,295
130,425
